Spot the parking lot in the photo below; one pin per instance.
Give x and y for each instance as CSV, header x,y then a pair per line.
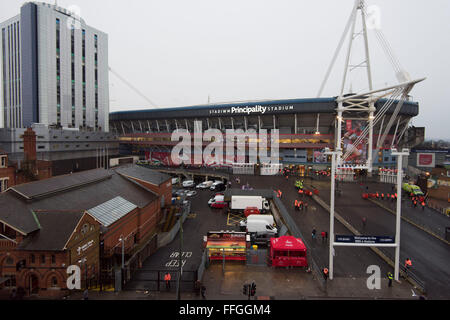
x,y
197,224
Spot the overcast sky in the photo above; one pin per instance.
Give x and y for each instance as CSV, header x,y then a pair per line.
x,y
179,52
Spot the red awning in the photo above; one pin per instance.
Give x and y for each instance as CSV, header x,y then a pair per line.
x,y
289,243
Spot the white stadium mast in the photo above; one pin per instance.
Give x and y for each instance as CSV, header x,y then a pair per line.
x,y
353,105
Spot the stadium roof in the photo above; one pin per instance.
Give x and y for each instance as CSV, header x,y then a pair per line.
x,y
260,107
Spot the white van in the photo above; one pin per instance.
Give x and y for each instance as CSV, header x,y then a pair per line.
x,y
261,227
268,218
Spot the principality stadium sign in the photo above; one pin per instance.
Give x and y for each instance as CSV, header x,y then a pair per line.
x,y
258,109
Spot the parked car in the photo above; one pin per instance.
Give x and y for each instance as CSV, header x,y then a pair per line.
x,y
219,204
216,198
217,186
188,183
204,185
191,193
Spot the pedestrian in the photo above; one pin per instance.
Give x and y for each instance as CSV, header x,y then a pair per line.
x,y
313,234
301,205
382,196
203,291
423,205
167,278
415,203
326,235
364,221
323,236
296,204
306,206
86,294
408,265
325,273
390,277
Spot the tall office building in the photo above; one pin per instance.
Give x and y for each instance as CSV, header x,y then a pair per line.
x,y
53,69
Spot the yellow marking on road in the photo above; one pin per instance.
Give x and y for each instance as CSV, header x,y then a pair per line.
x,y
234,218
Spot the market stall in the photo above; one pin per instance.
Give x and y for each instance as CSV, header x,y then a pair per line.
x,y
227,245
288,251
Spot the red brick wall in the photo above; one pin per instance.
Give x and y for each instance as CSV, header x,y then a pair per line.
x,y
43,271
9,172
140,222
164,189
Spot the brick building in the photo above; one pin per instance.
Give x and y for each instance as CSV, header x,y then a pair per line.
x,y
77,219
29,169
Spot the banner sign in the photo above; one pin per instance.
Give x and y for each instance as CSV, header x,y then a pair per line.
x,y
364,239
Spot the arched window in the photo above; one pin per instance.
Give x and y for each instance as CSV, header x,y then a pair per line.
x,y
9,261
54,282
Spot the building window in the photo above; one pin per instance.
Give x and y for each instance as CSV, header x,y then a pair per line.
x,y
53,259
32,259
43,259
11,282
3,162
9,261
54,282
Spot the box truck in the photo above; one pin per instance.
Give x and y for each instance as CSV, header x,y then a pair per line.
x,y
240,203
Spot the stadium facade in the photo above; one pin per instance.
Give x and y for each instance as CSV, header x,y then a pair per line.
x,y
306,127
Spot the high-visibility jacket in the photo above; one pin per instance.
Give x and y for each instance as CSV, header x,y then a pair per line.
x,y
300,191
408,263
390,276
296,203
167,277
325,271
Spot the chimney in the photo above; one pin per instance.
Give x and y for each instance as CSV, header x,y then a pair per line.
x,y
29,145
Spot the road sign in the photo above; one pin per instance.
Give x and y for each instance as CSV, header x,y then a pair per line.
x,y
363,239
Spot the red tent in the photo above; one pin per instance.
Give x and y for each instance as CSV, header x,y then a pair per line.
x,y
288,251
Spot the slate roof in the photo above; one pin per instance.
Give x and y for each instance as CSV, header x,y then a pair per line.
x,y
145,174
55,230
16,209
47,187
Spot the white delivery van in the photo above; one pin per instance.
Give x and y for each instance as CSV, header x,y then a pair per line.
x,y
261,227
268,218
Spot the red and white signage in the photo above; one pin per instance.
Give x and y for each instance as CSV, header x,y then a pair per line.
x,y
426,160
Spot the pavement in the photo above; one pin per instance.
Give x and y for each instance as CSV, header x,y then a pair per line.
x,y
422,236
273,284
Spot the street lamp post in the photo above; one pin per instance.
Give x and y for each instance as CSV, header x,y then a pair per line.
x,y
399,154
334,156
